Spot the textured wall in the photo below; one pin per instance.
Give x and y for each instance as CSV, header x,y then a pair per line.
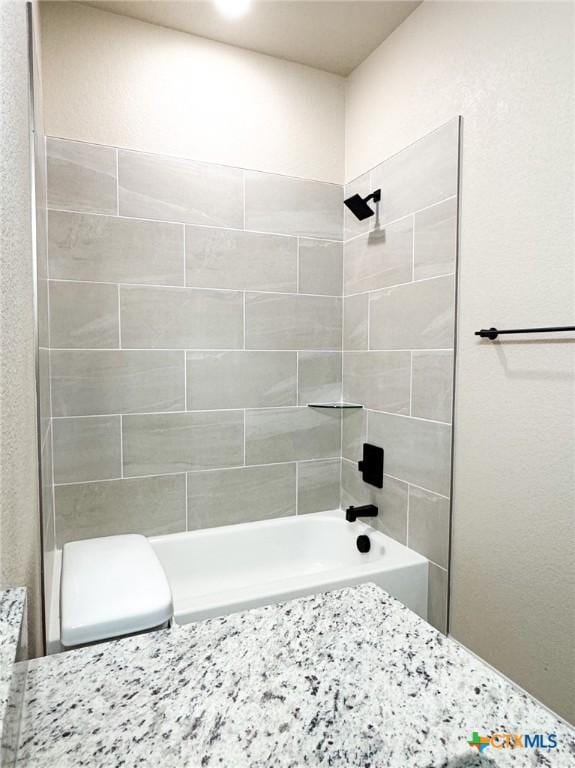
x,y
399,316
19,518
507,68
113,80
195,311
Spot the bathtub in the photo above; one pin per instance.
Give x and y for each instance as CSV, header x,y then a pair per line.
x,y
216,571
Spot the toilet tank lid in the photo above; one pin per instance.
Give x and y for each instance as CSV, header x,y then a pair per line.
x,y
111,586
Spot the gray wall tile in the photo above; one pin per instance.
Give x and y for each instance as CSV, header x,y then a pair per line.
x,y
355,321
84,315
174,442
437,597
319,376
432,386
291,206
42,287
108,249
435,240
81,177
241,379
147,505
429,525
288,434
413,316
87,449
228,496
275,321
101,382
416,451
159,187
320,267
381,258
351,224
420,175
44,399
379,380
174,318
48,525
318,486
221,258
354,433
391,501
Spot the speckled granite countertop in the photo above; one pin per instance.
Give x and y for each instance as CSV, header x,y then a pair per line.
x,y
12,604
348,678
12,614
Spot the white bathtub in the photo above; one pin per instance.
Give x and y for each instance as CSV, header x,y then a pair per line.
x,y
216,571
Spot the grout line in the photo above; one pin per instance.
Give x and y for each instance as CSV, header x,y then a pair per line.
x,y
297,393
407,516
117,184
237,410
297,488
185,283
179,222
413,249
53,489
297,266
407,416
185,381
369,296
243,200
119,318
122,477
191,288
212,349
121,446
245,320
186,502
411,383
244,424
388,351
183,412
374,291
210,469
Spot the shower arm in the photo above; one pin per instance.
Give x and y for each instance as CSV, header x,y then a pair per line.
x,y
375,196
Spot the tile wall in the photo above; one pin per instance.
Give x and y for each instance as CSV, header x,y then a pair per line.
x,y
195,310
398,343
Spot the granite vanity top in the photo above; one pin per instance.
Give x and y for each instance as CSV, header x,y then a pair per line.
x,y
349,678
12,603
12,615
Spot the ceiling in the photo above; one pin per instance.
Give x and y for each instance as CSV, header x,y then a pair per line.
x,y
330,35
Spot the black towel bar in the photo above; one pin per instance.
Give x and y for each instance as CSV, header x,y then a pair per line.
x,y
493,333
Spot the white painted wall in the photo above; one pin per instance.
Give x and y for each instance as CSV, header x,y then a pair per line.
x,y
508,69
113,80
20,562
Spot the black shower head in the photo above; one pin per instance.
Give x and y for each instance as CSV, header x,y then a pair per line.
x,y
358,205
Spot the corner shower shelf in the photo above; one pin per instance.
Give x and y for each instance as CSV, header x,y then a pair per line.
x,y
341,405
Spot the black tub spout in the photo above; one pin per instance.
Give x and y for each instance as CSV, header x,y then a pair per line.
x,y
352,513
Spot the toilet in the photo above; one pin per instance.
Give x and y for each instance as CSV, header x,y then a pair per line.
x,y
111,587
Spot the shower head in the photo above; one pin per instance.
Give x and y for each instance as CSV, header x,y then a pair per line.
x,y
358,205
